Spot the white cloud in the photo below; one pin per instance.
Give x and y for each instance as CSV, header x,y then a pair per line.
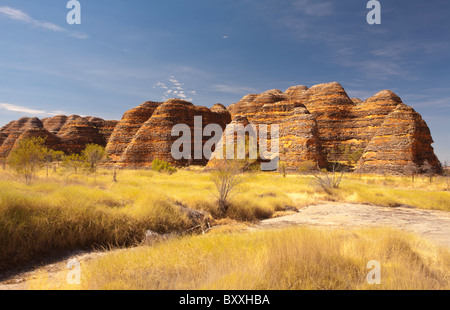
x,y
25,110
175,89
24,17
21,16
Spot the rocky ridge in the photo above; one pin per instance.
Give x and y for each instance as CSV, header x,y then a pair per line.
x,y
324,125
70,134
145,133
320,124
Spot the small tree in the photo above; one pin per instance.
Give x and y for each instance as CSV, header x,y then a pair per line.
x,y
347,154
27,158
447,181
94,155
58,157
427,170
411,169
74,162
226,179
50,157
355,156
329,179
282,168
447,175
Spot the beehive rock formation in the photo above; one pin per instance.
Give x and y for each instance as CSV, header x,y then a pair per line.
x,y
320,124
404,137
153,139
76,134
298,131
14,129
127,127
54,124
323,124
70,134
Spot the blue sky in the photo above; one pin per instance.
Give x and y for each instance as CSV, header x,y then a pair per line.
x,y
208,51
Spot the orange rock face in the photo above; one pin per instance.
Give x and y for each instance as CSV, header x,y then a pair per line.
x,y
154,140
127,127
403,137
319,124
331,125
298,131
3,137
14,129
54,124
70,134
77,133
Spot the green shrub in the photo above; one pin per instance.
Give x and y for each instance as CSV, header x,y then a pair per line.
x,y
162,166
94,155
27,158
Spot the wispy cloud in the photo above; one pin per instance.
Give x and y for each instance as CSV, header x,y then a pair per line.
x,y
379,69
25,110
23,17
175,89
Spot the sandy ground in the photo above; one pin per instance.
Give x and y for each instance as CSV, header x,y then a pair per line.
x,y
431,224
48,273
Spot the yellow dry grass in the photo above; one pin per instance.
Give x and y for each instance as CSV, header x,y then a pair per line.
x,y
287,259
70,211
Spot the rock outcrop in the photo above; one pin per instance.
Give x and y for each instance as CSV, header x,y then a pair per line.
x,y
323,124
54,124
14,130
404,137
127,127
153,139
298,130
3,137
79,132
70,134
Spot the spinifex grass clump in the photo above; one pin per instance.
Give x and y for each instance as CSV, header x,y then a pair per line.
x,y
68,211
47,218
294,258
35,225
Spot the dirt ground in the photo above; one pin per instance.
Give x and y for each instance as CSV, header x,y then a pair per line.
x,y
431,224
